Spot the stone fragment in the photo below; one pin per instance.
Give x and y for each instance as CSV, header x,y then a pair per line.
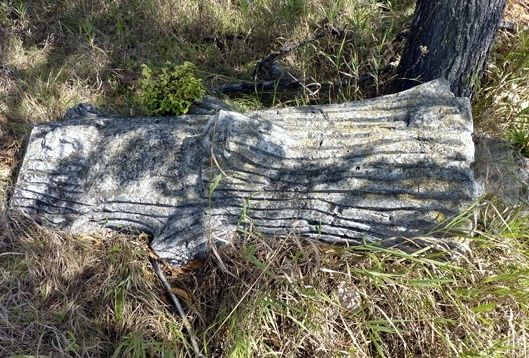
x,y
393,166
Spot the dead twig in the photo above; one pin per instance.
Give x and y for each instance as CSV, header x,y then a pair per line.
x,y
178,306
292,82
265,67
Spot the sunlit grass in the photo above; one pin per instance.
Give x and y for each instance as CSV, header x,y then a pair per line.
x,y
98,47
502,101
97,296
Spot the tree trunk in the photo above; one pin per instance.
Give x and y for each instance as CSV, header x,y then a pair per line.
x,y
450,39
394,166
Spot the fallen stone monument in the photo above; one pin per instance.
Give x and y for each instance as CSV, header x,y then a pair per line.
x,y
393,166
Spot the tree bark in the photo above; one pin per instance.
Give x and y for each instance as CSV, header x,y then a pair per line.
x,y
450,39
394,166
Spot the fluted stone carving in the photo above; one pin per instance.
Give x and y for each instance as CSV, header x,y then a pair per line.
x,y
393,166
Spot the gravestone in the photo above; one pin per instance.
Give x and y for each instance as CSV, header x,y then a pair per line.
x,y
390,167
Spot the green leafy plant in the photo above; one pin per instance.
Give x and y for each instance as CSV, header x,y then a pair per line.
x,y
169,90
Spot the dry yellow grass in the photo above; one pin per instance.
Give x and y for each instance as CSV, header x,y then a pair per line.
x,y
97,296
504,92
78,296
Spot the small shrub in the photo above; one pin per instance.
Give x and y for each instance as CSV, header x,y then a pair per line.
x,y
170,90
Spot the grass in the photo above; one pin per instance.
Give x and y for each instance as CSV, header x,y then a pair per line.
x,y
56,54
86,296
502,101
97,295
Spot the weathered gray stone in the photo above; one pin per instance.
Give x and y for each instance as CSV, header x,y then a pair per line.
x,y
393,166
500,171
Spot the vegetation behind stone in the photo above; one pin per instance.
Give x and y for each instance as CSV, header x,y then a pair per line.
x,y
96,296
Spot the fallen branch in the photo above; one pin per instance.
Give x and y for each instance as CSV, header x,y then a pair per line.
x,y
256,86
285,83
265,66
269,75
178,306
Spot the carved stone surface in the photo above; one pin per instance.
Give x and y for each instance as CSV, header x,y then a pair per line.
x,y
393,166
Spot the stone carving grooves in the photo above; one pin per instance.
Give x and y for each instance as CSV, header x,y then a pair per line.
x,y
393,166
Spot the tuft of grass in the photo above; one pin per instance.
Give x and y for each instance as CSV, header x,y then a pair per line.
x,y
518,134
296,298
80,297
501,104
169,90
97,296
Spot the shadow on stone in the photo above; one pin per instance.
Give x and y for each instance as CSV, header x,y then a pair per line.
x,y
394,166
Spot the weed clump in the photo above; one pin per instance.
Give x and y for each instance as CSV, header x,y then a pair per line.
x,y
519,135
169,90
520,140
